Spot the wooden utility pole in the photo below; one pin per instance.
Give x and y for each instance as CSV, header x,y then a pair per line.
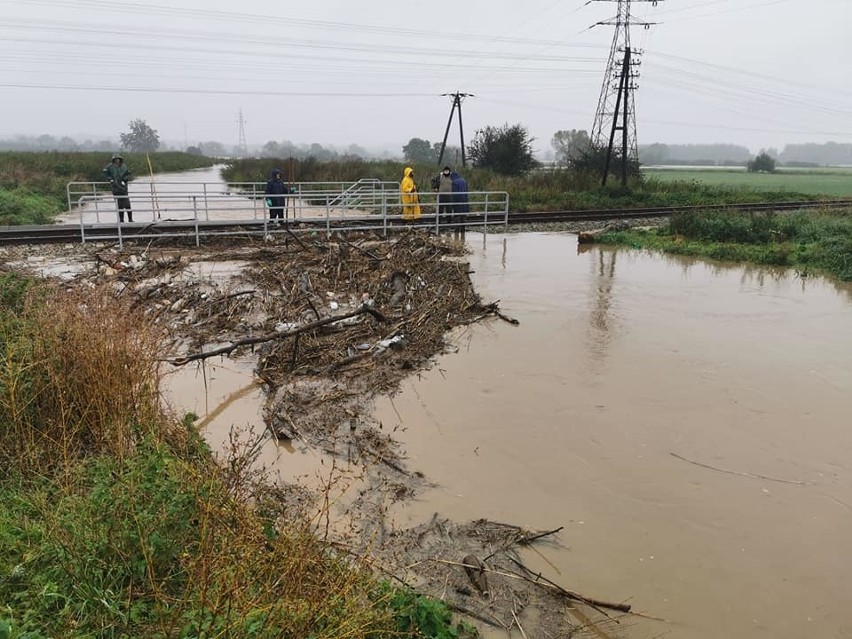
x,y
457,102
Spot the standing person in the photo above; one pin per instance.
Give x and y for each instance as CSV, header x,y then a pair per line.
x,y
409,197
119,176
276,196
445,195
461,203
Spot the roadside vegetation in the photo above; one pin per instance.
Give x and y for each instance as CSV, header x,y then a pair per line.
x,y
811,243
540,190
116,520
32,184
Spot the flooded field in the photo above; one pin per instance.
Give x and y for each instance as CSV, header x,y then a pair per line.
x,y
686,423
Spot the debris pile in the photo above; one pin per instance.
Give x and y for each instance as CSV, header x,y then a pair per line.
x,y
332,323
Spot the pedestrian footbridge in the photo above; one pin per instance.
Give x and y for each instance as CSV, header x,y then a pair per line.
x,y
207,209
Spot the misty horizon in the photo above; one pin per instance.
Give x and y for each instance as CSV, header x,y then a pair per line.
x,y
340,73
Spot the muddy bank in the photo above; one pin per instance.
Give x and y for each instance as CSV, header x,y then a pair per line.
x,y
327,325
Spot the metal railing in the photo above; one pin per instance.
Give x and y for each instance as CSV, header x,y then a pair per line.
x,y
216,209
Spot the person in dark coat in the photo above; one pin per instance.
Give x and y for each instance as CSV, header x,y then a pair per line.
x,y
276,195
461,202
445,194
119,175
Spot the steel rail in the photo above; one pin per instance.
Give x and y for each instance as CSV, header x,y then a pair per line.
x,y
71,233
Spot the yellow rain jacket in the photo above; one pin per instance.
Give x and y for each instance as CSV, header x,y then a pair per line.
x,y
408,194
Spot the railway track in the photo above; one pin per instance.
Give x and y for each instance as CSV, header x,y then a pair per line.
x,y
72,233
654,212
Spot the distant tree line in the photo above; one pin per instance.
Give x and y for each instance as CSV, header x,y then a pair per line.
x,y
50,143
803,155
287,149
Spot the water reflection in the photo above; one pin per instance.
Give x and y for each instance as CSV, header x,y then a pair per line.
x,y
735,367
603,322
773,279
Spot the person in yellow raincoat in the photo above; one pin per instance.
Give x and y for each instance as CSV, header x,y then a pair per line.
x,y
408,194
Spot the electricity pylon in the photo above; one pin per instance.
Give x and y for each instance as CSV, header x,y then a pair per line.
x,y
241,145
457,102
616,105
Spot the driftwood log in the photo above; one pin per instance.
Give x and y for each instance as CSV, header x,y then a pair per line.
x,y
475,570
249,341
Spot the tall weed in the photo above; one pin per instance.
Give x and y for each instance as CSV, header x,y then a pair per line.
x,y
116,520
78,376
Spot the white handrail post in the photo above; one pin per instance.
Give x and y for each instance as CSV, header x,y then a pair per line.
x,y
384,214
96,198
195,215
118,226
153,201
82,226
506,210
486,212
327,217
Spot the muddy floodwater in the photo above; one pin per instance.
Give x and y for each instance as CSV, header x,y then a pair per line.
x,y
688,424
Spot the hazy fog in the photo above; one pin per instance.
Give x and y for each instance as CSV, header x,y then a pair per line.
x,y
760,73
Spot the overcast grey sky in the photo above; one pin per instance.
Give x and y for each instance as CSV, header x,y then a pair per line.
x,y
756,72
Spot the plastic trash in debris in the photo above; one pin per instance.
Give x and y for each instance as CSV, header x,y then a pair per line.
x,y
333,305
349,321
283,327
387,343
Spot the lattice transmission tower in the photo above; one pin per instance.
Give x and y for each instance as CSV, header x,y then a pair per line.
x,y
242,146
616,112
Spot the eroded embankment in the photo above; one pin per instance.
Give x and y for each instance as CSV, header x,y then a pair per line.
x,y
331,324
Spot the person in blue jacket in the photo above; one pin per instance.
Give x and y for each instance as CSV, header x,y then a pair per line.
x,y
276,195
461,202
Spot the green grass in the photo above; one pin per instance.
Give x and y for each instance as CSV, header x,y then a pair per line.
x,y
536,191
824,181
812,243
115,520
32,184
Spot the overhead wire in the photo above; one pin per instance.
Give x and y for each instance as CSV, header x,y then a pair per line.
x,y
526,70
733,10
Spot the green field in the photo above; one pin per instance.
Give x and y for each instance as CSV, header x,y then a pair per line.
x,y
822,181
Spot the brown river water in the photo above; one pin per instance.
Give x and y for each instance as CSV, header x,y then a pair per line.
x,y
688,424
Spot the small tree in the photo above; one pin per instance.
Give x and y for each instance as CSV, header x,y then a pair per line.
x,y
213,149
569,145
507,149
420,151
763,163
141,138
589,165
